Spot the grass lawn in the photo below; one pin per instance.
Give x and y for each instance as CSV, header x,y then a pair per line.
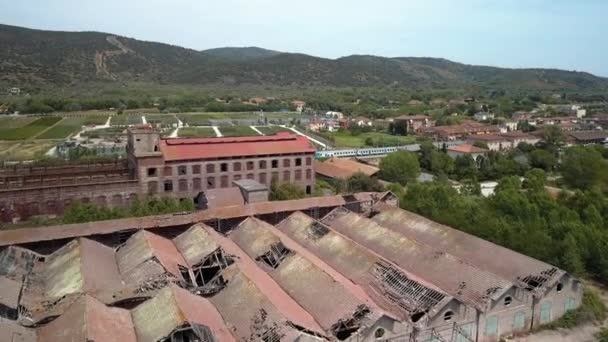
x,y
237,131
270,130
198,132
345,139
29,130
28,150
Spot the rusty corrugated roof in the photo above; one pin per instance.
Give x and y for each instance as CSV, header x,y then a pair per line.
x,y
140,249
87,319
195,244
170,309
458,278
302,279
20,236
357,263
82,266
9,292
462,245
265,293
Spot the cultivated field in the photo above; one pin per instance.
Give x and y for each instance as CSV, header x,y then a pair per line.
x,y
198,132
237,131
29,130
270,130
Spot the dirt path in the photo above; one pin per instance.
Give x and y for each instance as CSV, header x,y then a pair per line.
x,y
101,56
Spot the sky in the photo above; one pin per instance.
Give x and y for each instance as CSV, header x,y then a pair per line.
x,y
564,34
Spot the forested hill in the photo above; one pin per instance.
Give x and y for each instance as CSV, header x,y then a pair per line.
x,y
36,57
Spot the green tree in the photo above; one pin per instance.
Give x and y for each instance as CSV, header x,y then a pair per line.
x,y
584,168
362,182
542,159
401,167
553,135
465,167
285,191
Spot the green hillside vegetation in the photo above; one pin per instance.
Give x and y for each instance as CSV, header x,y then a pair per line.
x,y
33,58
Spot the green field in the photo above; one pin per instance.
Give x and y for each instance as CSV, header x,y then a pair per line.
x,y
15,122
29,130
270,130
105,132
195,119
237,131
369,139
163,119
27,150
198,132
126,119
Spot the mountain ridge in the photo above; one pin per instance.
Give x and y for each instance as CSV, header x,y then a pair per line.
x,y
58,58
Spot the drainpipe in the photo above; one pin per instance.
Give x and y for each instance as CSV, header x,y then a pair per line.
x,y
477,317
534,303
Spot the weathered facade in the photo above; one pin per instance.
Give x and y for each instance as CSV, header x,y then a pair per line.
x,y
179,168
305,270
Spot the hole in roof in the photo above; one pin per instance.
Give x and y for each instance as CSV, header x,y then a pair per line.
x,y
448,315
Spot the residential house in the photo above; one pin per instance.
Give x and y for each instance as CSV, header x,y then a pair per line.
x,y
483,116
414,123
299,105
335,115
362,122
455,132
587,137
466,149
503,141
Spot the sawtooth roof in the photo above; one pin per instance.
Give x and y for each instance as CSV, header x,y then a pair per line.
x,y
504,262
170,309
87,319
461,280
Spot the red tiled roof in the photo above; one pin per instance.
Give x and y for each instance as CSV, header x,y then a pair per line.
x,y
207,148
466,148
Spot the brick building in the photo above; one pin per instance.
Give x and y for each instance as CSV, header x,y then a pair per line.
x,y
180,168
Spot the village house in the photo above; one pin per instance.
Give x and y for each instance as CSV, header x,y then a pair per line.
x,y
456,132
587,137
361,121
334,115
299,105
483,116
503,141
466,149
414,123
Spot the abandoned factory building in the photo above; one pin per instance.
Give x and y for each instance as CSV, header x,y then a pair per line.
x,y
339,268
182,168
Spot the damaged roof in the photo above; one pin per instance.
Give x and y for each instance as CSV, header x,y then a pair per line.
x,y
9,292
307,283
170,309
143,247
460,279
195,244
87,319
462,245
81,266
362,266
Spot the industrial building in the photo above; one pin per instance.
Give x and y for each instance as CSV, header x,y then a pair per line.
x,y
181,168
338,268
